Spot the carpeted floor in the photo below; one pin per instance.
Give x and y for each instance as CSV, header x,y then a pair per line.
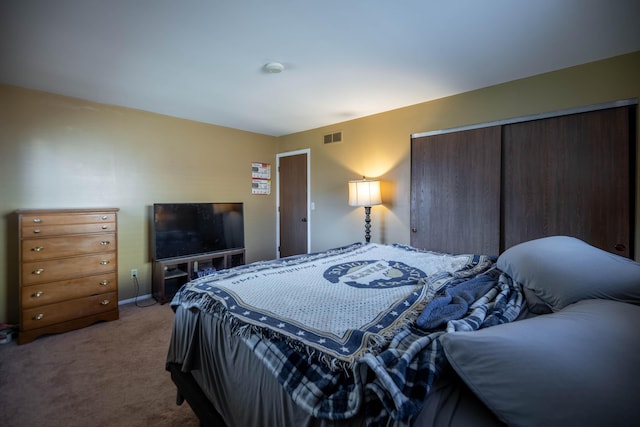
x,y
109,374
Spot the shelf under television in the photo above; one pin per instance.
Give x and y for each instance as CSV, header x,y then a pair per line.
x,y
171,273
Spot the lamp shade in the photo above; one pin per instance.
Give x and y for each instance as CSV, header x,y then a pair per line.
x,y
364,192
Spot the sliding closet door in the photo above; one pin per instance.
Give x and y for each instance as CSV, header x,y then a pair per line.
x,y
455,191
570,175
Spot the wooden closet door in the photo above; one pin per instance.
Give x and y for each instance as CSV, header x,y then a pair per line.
x,y
455,191
570,175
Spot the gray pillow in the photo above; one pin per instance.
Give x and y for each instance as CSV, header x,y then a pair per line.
x,y
561,270
579,366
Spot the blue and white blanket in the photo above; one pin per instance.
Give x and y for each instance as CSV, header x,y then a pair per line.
x,y
335,305
353,309
394,383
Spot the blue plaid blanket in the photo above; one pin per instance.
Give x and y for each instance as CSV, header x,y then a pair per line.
x,y
393,383
387,380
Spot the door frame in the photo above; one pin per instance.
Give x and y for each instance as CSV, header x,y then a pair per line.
x,y
306,151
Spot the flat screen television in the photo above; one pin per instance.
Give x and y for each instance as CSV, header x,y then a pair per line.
x,y
183,229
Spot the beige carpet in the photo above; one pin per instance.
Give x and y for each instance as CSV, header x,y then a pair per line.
x,y
109,374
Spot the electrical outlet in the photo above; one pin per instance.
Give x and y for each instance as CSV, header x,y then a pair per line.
x,y
134,273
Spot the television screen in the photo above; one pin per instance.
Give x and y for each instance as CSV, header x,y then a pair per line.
x,y
182,229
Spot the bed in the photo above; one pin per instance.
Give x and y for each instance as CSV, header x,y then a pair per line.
x,y
370,334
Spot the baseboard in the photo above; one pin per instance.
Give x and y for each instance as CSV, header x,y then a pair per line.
x,y
130,300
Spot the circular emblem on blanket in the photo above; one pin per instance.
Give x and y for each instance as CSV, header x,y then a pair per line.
x,y
374,274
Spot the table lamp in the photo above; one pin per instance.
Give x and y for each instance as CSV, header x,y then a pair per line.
x,y
364,192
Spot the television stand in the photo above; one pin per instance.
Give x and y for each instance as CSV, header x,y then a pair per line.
x,y
168,275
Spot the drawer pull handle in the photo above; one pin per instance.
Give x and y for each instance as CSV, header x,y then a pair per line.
x,y
105,242
37,220
38,294
38,271
36,231
104,302
104,262
37,249
38,316
104,283
104,217
104,227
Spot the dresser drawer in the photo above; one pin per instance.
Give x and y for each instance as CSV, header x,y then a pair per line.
x,y
65,229
49,293
46,219
61,247
46,315
60,269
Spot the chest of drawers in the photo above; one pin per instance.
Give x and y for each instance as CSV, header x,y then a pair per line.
x,y
68,269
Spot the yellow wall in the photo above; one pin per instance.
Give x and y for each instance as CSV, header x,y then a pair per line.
x,y
58,152
62,152
379,146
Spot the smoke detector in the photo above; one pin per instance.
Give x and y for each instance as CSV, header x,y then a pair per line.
x,y
273,67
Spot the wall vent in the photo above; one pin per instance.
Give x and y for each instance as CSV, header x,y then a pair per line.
x,y
333,137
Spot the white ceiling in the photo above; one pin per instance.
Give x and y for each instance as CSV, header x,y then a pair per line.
x,y
202,60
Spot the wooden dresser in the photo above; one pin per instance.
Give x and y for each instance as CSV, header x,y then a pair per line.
x,y
68,269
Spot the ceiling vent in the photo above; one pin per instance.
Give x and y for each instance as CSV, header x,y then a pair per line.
x,y
333,137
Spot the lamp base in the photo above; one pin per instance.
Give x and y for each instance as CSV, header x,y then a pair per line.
x,y
367,223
